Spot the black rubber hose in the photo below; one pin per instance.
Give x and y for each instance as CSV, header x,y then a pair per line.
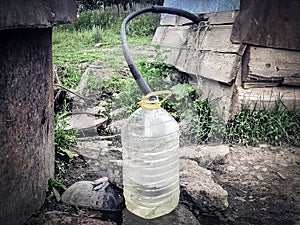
x,y
131,64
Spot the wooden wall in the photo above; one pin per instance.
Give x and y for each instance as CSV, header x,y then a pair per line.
x,y
234,73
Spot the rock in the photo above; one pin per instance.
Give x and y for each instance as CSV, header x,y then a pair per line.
x,y
116,126
115,172
263,145
110,163
213,153
192,152
91,149
197,183
86,123
99,195
204,155
181,215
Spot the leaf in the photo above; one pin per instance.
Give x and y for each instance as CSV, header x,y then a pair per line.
x,y
56,194
70,154
182,90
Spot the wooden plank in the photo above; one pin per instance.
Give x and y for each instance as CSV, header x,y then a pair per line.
x,y
268,23
217,38
159,35
220,18
170,55
168,21
175,21
172,36
212,55
212,65
217,18
292,81
248,85
271,64
267,97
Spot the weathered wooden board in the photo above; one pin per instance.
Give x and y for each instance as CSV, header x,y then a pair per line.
x,y
268,23
221,94
266,97
258,84
217,18
174,21
276,66
220,67
170,55
270,62
220,18
175,37
216,38
159,35
209,54
292,81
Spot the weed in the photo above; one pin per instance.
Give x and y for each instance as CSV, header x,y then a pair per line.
x,y
144,25
97,34
94,85
64,140
276,126
199,122
203,123
107,86
69,75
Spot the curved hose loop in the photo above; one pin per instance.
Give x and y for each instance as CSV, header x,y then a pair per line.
x,y
131,64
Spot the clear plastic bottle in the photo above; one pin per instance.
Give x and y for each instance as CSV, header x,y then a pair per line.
x,y
150,141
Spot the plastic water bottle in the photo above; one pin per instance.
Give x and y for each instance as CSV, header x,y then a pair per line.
x,y
150,142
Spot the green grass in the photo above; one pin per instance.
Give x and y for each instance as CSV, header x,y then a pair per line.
x,y
276,126
74,44
74,50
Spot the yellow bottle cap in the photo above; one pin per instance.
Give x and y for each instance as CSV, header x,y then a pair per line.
x,y
154,104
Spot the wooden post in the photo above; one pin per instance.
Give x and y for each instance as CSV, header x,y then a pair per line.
x,y
26,98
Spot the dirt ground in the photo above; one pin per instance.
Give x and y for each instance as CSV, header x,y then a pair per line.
x,y
262,184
